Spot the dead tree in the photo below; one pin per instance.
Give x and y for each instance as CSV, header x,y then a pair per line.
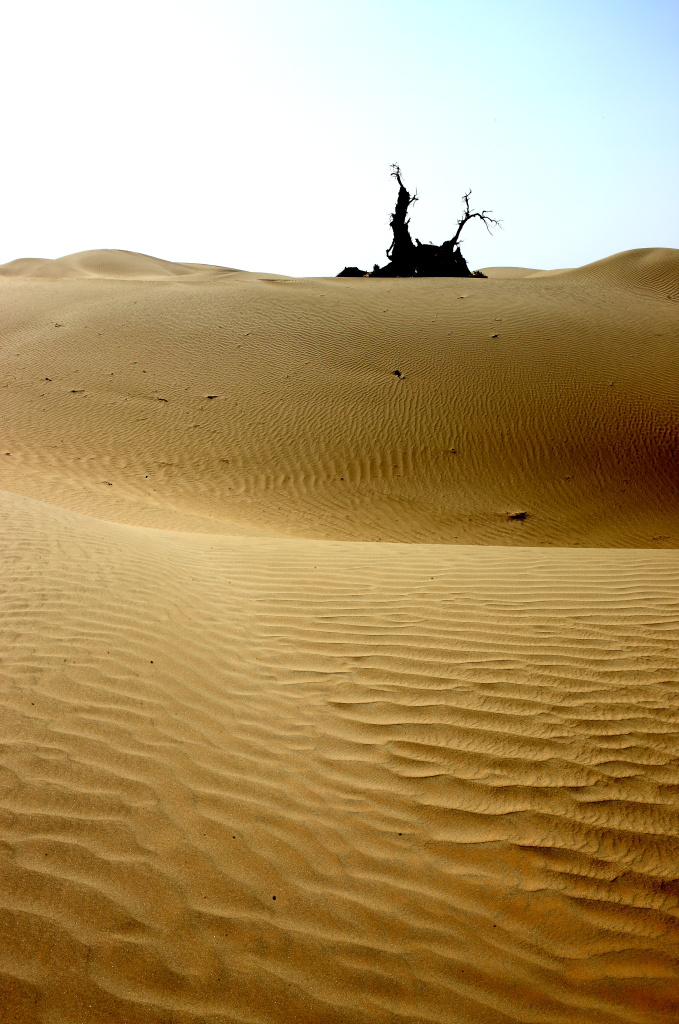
x,y
402,251
415,259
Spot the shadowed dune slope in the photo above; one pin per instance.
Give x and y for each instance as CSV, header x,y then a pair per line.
x,y
297,724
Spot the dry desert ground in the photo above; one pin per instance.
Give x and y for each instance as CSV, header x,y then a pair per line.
x,y
339,678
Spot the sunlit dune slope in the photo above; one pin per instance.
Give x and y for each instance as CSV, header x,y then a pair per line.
x,y
254,772
408,410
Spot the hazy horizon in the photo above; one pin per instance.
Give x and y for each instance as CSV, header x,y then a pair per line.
x,y
262,137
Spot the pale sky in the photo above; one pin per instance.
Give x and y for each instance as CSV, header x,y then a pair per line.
x,y
259,134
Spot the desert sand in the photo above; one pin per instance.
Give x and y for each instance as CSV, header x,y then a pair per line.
x,y
339,664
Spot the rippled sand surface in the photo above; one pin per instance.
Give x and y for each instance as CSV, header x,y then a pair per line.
x,y
331,694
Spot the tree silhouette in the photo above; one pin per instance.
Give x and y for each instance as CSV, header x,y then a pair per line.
x,y
415,259
402,252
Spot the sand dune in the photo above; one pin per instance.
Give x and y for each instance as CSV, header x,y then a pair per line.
x,y
333,695
413,411
111,264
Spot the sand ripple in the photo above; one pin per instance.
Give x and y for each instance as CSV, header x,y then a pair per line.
x,y
257,767
455,770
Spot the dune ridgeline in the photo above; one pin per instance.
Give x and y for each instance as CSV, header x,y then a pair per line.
x,y
340,676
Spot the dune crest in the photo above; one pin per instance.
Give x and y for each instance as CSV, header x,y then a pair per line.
x,y
508,273
110,264
654,271
340,675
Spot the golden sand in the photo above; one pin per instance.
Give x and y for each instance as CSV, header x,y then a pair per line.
x,y
339,677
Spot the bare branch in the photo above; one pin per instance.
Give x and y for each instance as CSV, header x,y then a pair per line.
x,y
469,214
396,173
